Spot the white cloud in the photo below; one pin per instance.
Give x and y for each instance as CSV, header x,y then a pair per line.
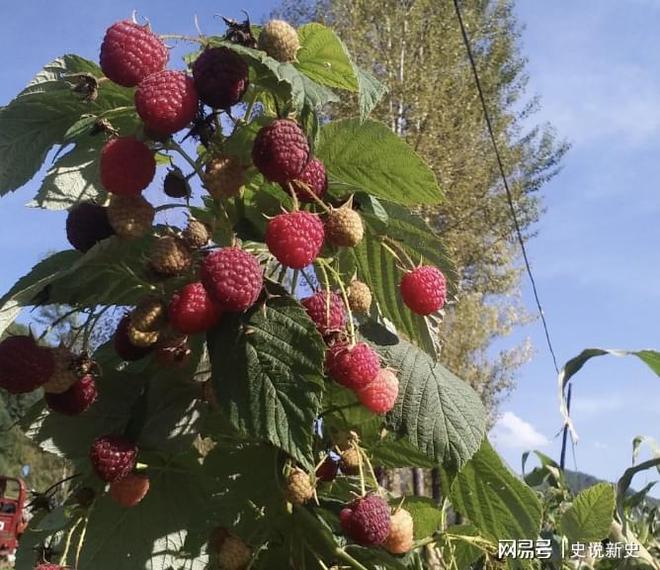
x,y
513,432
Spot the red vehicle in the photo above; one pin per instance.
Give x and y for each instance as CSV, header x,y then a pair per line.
x,y
12,517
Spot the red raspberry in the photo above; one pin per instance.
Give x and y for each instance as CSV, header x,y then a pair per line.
x,y
86,225
233,278
295,238
123,345
131,52
366,520
352,367
314,178
380,394
326,309
166,101
113,457
47,566
76,399
24,365
192,310
221,77
130,490
424,290
127,166
280,151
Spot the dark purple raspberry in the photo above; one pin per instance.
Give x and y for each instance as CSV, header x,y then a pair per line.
x,y
313,178
24,365
221,77
86,225
280,151
366,520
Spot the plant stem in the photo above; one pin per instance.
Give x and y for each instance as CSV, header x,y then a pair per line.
x,y
182,37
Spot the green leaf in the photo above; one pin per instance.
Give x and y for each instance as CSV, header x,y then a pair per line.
x,y
73,178
371,91
588,519
437,412
113,272
497,502
323,58
650,357
151,535
25,290
398,452
267,373
370,156
427,516
41,115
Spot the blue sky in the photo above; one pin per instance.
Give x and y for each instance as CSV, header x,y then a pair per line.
x,y
595,66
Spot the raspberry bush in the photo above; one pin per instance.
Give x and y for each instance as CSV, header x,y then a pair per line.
x,y
274,298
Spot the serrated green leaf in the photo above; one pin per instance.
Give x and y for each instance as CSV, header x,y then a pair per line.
x,y
267,373
323,57
25,290
113,272
41,115
151,535
370,93
398,452
370,156
73,178
497,502
438,413
427,516
588,519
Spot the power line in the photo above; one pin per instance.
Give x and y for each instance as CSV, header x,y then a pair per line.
x,y
509,196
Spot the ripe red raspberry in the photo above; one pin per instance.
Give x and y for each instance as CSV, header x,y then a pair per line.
x,y
313,178
424,290
352,367
280,151
130,490
76,399
24,365
48,566
295,238
192,310
113,457
327,471
366,520
127,166
123,345
131,52
400,538
86,225
221,77
166,101
380,394
233,278
326,309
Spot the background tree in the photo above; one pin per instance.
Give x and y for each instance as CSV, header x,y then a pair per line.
x,y
415,47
